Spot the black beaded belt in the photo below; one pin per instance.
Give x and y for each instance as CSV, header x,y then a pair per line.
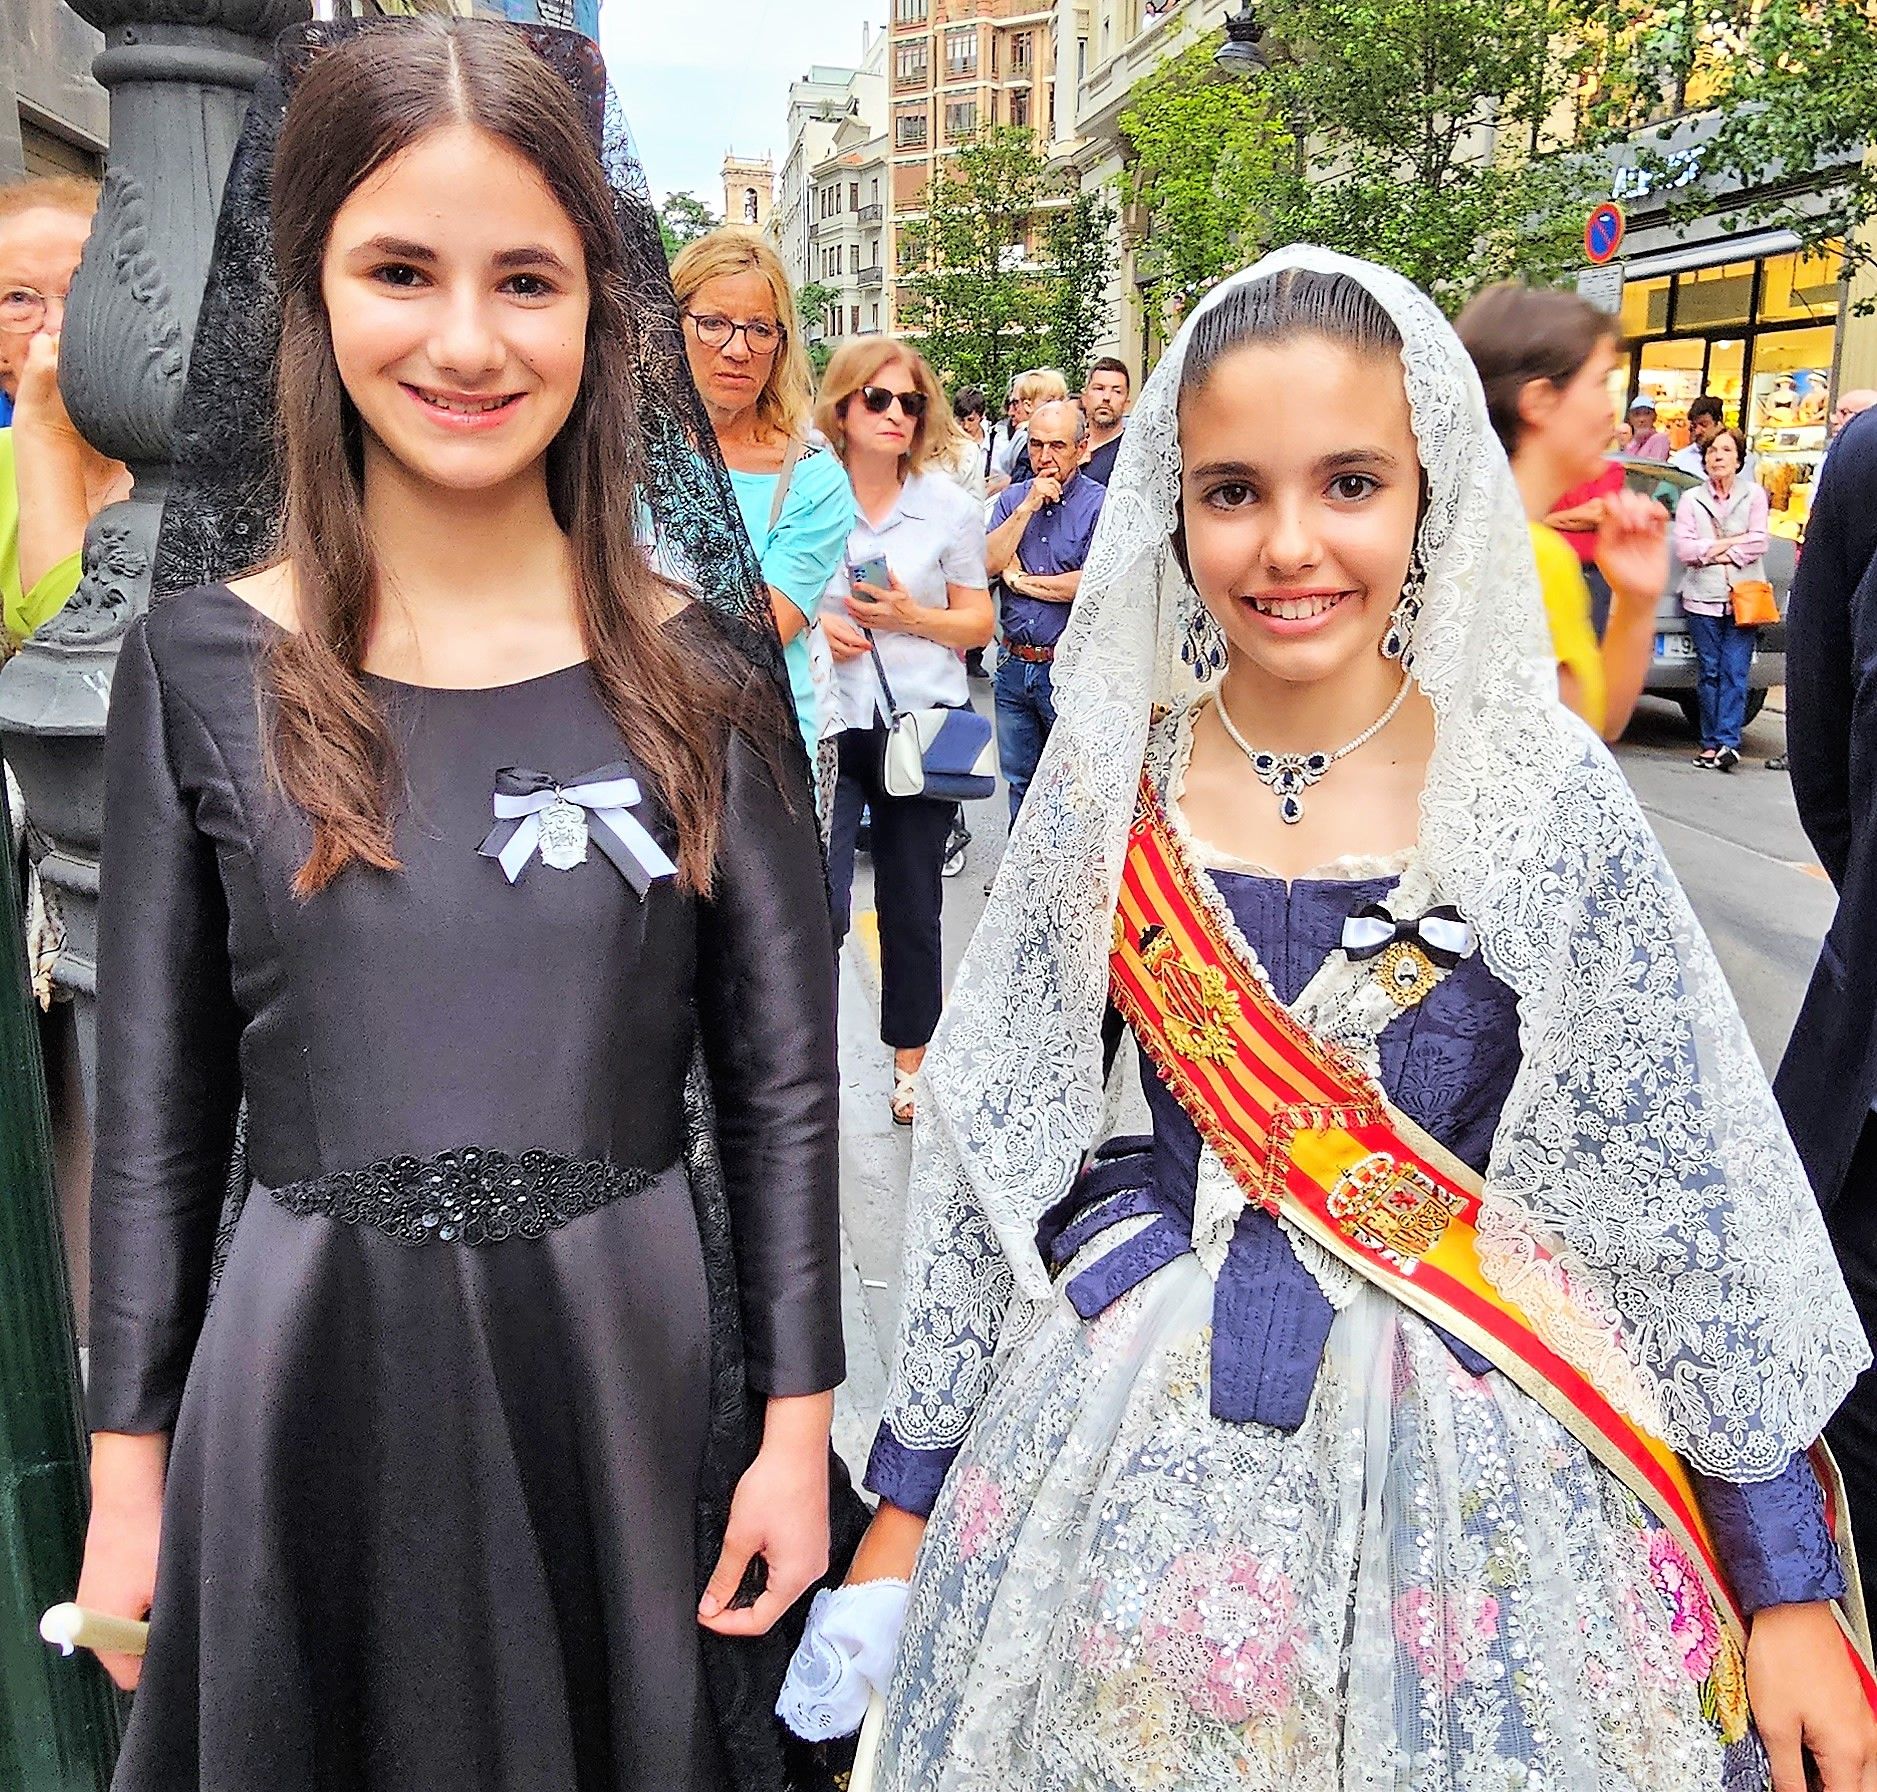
x,y
469,1196
1022,650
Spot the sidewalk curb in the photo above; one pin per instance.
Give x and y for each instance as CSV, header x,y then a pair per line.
x,y
862,1397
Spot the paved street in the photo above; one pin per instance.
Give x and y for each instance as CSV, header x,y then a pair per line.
x,y
1736,842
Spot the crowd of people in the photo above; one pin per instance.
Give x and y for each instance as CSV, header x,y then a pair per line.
x,y
882,512
1434,1395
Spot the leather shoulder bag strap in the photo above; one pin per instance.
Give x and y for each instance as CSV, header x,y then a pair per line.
x,y
782,481
893,709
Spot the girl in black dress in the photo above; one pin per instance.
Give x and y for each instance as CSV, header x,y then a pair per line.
x,y
440,840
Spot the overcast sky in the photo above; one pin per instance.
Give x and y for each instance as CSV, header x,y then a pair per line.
x,y
701,78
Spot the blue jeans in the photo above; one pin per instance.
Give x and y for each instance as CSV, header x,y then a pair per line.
x,y
1724,655
1026,711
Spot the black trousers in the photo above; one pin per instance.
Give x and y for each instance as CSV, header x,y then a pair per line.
x,y
909,834
1852,1432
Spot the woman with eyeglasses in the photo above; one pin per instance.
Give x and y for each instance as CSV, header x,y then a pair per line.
x,y
52,481
753,373
909,602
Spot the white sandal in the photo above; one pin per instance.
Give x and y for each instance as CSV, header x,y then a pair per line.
x,y
905,1085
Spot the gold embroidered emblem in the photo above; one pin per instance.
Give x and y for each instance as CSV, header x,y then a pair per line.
x,y
1120,932
1198,1004
1391,1208
1406,973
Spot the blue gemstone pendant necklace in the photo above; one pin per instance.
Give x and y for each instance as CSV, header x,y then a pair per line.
x,y
1291,774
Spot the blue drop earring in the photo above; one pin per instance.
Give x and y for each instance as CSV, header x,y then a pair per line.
x,y
1203,648
1398,642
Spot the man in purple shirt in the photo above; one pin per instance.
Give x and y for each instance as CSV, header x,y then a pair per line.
x,y
1038,542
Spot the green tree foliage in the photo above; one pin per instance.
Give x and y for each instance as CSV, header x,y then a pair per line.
x,y
1433,135
683,218
811,304
1462,141
1753,99
1008,269
1081,244
1204,209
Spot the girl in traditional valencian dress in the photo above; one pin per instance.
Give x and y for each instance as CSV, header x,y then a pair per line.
x,y
1427,1403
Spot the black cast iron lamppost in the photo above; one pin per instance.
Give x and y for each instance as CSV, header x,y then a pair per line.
x,y
1240,53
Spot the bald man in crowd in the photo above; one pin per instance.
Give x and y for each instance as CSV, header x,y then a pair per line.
x,y
1850,404
1039,536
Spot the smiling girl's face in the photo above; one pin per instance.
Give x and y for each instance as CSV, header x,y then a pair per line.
x,y
456,291
1301,493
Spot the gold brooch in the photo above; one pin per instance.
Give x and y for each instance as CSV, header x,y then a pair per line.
x,y
1391,1208
1199,1004
1406,973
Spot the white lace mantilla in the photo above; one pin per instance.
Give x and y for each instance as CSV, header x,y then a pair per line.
x,y
1640,1145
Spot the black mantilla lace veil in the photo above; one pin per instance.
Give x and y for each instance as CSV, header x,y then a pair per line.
x,y
221,519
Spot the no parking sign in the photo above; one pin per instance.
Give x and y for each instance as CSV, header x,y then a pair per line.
x,y
1603,232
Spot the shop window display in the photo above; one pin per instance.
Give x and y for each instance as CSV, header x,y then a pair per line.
x,y
1761,337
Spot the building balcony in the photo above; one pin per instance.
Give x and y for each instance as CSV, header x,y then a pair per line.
x,y
872,214
872,279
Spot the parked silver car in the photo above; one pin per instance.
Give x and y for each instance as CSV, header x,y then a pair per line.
x,y
1672,670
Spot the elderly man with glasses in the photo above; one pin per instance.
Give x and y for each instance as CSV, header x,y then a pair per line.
x,y
1039,538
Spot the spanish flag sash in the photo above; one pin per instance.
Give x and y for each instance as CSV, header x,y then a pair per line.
x,y
1306,1134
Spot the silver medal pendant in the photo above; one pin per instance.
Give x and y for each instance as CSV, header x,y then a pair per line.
x,y
563,836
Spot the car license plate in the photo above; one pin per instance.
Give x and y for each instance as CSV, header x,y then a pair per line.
x,y
1674,647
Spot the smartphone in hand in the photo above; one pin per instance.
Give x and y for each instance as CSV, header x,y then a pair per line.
x,y
869,572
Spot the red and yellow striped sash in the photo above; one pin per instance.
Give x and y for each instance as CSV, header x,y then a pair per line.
x,y
1306,1134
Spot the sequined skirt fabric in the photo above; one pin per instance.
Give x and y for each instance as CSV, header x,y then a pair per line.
x,y
1428,1587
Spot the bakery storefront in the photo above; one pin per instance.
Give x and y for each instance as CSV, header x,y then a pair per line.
x,y
1758,332
1751,315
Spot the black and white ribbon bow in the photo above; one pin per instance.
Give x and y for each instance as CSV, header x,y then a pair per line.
x,y
606,797
1440,933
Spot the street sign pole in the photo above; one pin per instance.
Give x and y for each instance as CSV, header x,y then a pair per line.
x,y
58,1717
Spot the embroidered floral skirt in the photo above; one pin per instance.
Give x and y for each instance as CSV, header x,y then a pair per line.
x,y
1429,1585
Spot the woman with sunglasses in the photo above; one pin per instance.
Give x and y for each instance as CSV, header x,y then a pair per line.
x,y
913,593
753,374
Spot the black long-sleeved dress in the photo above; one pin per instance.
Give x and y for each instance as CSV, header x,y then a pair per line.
x,y
437,1438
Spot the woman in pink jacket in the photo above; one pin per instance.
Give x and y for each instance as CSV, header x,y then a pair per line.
x,y
1720,538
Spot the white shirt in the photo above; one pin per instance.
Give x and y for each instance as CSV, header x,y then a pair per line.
x,y
1008,444
932,537
966,466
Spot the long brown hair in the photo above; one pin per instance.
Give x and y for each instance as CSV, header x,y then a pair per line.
x,y
363,102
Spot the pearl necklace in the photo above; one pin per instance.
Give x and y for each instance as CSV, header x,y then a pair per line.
x,y
1291,774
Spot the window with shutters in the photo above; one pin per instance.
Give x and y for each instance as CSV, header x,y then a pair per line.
x,y
961,119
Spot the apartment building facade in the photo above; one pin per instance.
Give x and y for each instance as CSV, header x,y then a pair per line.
x,y
957,67
1103,48
59,121
829,221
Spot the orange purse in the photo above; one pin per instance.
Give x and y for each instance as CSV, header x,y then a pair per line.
x,y
1754,603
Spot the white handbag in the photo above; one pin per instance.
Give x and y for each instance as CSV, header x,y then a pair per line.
x,y
947,754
